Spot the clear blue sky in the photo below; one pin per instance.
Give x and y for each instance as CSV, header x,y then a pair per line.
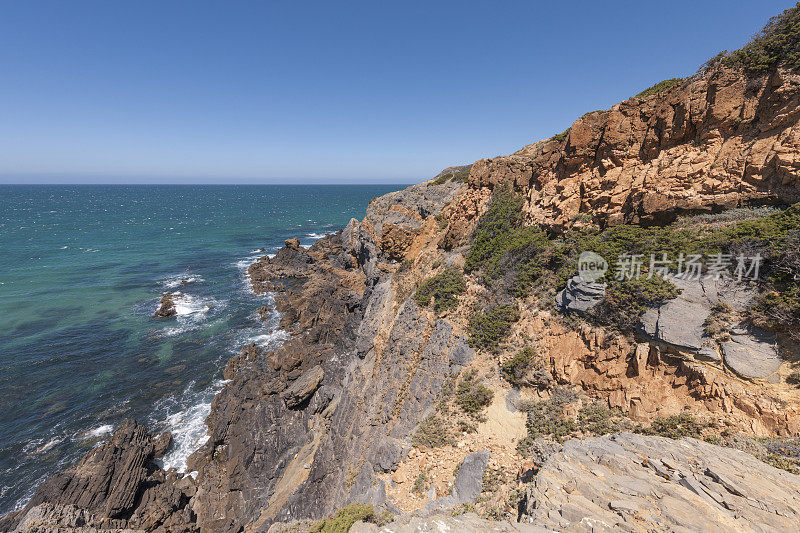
x,y
304,91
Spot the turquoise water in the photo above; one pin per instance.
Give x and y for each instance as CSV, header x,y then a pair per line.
x,y
81,272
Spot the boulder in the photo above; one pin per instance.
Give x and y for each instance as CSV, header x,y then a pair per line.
x,y
166,306
680,322
753,354
468,483
580,295
303,387
293,243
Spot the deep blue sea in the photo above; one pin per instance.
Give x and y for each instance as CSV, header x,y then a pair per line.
x,y
81,271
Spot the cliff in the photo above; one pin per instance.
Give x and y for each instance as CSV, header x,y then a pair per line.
x,y
430,372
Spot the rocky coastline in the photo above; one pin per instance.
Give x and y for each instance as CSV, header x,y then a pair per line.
x,y
333,417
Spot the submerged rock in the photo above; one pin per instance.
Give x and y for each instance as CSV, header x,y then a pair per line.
x,y
166,306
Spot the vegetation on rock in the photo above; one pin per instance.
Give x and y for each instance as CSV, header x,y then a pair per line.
x,y
660,87
443,289
488,328
344,519
777,44
675,427
461,176
432,433
472,395
517,367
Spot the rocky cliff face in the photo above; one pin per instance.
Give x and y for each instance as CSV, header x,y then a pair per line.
x,y
329,419
714,141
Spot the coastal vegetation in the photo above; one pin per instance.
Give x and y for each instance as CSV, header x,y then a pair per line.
x,y
513,260
517,367
660,87
778,43
487,329
443,289
343,520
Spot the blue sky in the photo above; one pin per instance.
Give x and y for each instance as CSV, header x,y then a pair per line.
x,y
288,92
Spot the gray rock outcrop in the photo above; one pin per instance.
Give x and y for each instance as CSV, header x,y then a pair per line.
x,y
580,295
631,482
303,387
681,323
467,485
752,354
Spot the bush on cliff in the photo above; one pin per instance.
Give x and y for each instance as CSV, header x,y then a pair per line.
x,y
660,87
503,248
344,519
443,289
472,395
488,328
626,301
778,43
517,367
432,433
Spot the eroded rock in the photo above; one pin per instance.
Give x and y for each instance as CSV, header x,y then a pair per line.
x,y
303,387
632,482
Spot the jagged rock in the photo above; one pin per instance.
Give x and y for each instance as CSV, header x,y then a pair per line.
x,y
42,518
388,453
580,295
166,307
293,243
117,485
752,355
395,241
469,481
649,159
467,485
637,483
680,322
462,353
303,387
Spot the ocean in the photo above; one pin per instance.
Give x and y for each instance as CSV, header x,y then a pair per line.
x,y
81,271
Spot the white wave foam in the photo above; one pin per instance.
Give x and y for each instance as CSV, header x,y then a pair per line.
x,y
244,263
36,447
315,236
187,305
100,431
180,279
188,428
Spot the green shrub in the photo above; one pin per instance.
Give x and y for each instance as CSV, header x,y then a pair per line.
x,y
778,43
461,176
784,463
503,215
675,427
660,87
487,329
443,289
344,519
420,483
493,478
558,137
517,367
626,301
432,432
597,419
546,419
471,395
